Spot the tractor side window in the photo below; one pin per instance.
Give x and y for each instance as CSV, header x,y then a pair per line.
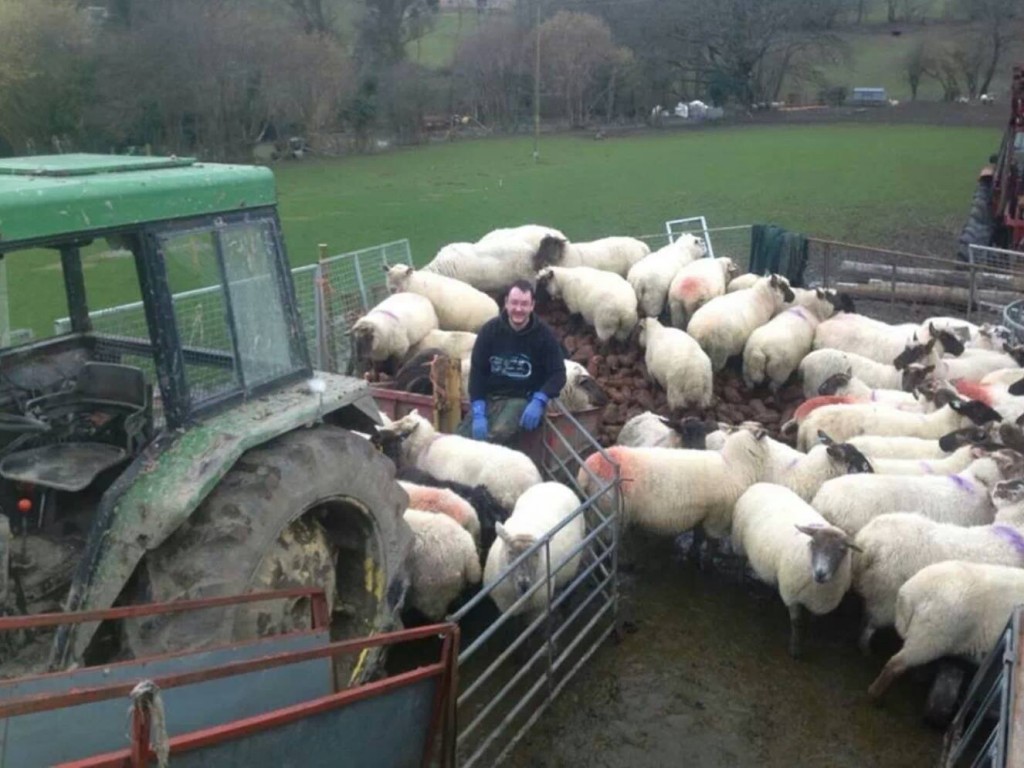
x,y
267,348
200,313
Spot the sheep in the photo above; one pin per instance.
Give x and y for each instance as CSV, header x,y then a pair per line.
x,y
649,430
652,275
742,282
670,491
952,608
458,344
723,325
845,421
804,473
605,300
850,502
505,472
500,258
899,544
539,511
695,284
443,501
849,332
488,510
955,462
459,306
897,447
972,366
774,350
1003,377
678,364
581,390
821,365
847,385
609,254
443,561
392,327
791,546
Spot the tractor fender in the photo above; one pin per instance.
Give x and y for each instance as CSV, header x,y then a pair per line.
x,y
168,481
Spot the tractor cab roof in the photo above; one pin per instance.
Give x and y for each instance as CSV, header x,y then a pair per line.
x,y
51,195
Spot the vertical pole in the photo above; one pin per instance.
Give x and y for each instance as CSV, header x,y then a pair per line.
x,y
536,81
892,285
5,312
973,279
140,735
549,622
826,268
362,285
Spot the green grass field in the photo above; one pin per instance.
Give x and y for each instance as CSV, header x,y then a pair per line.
x,y
868,184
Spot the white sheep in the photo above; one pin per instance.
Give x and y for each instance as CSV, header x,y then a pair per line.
x,y
652,275
538,511
605,300
610,254
457,344
951,609
955,462
459,306
723,325
650,430
789,545
898,545
972,366
443,561
821,365
443,501
845,385
844,421
505,472
850,502
531,234
391,328
804,473
695,285
774,350
581,390
678,364
850,332
742,282
1003,377
670,491
896,447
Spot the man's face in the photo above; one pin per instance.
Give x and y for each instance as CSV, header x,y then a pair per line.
x,y
519,305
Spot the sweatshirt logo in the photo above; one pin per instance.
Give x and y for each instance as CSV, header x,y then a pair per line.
x,y
513,366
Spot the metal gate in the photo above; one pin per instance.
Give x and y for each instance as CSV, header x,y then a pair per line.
x,y
515,668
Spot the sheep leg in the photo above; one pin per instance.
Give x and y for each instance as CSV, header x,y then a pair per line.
x,y
797,619
864,641
895,667
696,544
707,561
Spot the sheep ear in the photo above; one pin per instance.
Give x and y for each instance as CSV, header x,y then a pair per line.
x,y
824,439
976,411
807,530
978,452
1017,388
819,293
502,533
853,547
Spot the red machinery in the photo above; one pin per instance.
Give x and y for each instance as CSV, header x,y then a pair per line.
x,y
997,213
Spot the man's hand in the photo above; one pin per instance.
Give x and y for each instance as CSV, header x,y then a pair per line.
x,y
479,420
534,412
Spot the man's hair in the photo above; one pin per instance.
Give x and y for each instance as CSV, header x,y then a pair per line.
x,y
523,285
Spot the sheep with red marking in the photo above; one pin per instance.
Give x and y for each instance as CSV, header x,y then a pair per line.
x,y
443,501
669,491
443,561
723,325
695,285
652,275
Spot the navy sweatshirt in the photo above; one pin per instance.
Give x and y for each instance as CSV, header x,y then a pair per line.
x,y
512,363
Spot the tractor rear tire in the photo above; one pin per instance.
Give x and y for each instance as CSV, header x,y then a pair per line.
x,y
314,507
980,226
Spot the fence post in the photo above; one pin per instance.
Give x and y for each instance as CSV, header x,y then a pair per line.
x,y
972,265
362,285
549,622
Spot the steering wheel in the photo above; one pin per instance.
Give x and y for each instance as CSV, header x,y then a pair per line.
x,y
16,422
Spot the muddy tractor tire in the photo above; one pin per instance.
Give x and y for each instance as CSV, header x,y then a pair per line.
x,y
314,507
980,225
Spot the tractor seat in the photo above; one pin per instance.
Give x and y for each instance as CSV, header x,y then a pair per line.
x,y
64,466
72,466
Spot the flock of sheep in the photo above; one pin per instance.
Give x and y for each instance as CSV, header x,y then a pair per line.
x,y
906,484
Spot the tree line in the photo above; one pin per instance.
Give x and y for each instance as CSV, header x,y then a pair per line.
x,y
216,78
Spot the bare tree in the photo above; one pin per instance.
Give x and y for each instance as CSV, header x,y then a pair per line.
x,y
575,49
918,64
995,23
492,67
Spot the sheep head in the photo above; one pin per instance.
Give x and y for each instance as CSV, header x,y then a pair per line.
x,y
729,267
841,302
829,546
525,573
1008,493
404,427
976,411
648,325
914,352
1009,462
848,457
981,437
948,343
547,282
835,383
550,251
780,285
397,277
577,377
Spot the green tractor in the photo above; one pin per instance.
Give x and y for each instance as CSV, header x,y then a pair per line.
x,y
184,457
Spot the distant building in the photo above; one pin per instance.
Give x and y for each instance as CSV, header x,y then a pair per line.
x,y
480,5
869,97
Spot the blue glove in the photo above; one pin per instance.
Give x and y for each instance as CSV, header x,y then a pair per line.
x,y
534,412
479,419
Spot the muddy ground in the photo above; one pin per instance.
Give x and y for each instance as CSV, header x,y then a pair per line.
x,y
705,680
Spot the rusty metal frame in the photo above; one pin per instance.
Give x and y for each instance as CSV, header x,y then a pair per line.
x,y
140,754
